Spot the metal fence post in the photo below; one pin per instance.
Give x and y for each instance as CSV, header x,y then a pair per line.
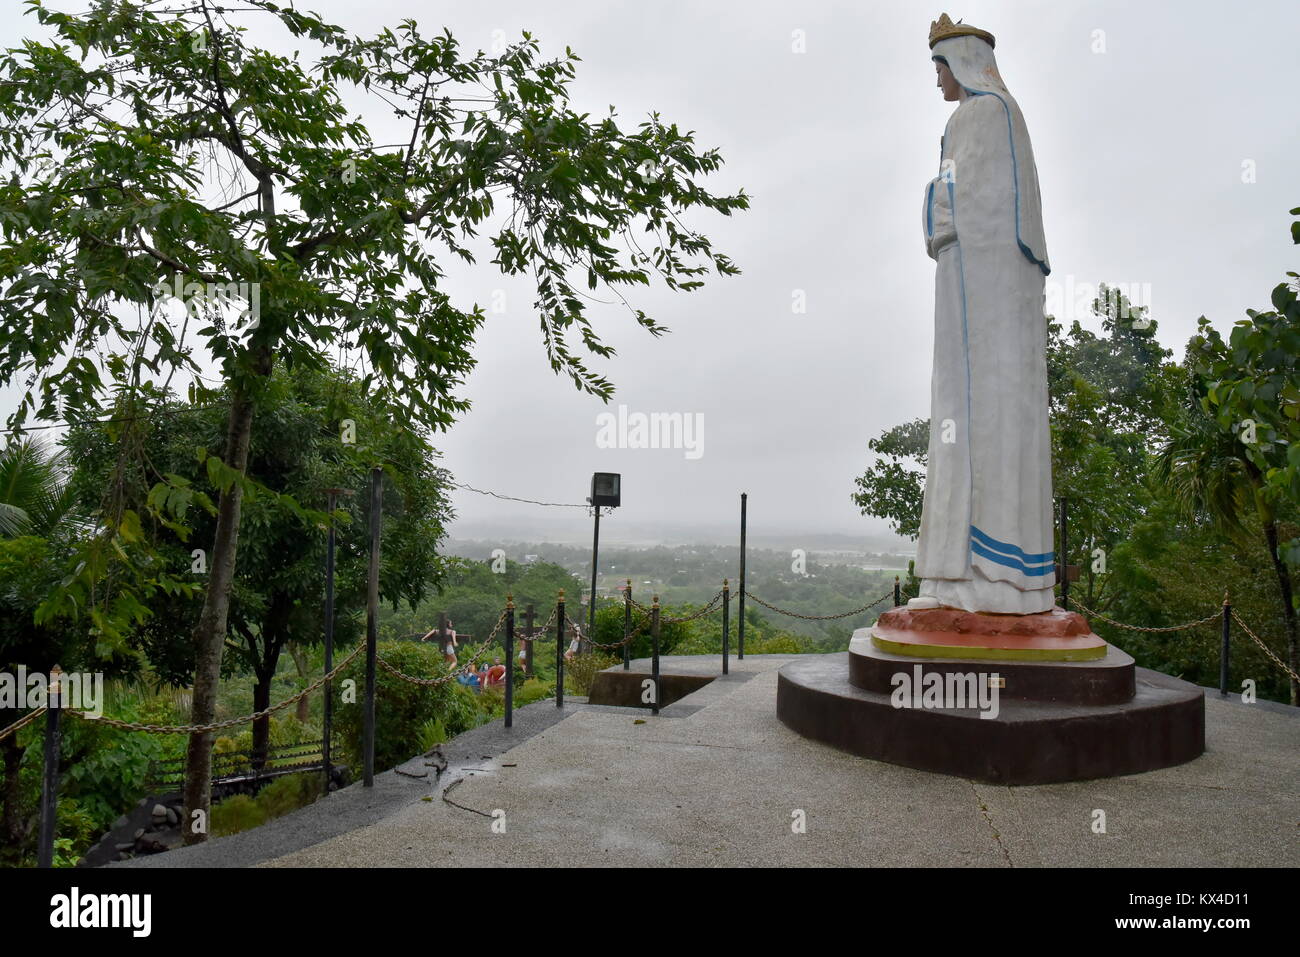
x,y
1225,648
510,659
327,703
372,625
559,651
740,615
50,781
726,623
898,592
627,626
529,615
654,632
584,645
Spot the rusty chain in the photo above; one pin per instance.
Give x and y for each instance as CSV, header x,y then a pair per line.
x,y
614,644
540,634
229,722
1119,624
795,614
1193,624
713,602
691,617
449,676
22,722
1263,647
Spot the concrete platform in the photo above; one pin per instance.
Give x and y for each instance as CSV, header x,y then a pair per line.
x,y
1020,742
628,689
716,780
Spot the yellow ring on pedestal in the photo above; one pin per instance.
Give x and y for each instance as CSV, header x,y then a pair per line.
x,y
1081,648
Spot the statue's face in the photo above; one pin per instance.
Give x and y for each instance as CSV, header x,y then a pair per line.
x,y
947,82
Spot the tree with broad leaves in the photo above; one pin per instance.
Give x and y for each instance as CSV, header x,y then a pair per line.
x,y
37,522
278,592
1238,447
152,147
892,487
34,495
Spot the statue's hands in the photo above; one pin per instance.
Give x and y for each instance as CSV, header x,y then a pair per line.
x,y
937,216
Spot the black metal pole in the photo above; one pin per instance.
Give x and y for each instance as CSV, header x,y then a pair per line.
x,y
529,615
740,614
1065,557
654,633
1223,653
328,701
898,592
372,624
559,651
50,782
595,551
627,626
510,660
726,624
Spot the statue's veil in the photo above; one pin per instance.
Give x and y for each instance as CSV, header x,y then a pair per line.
x,y
971,61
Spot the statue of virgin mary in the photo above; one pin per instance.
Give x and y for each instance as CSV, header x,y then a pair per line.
x,y
986,525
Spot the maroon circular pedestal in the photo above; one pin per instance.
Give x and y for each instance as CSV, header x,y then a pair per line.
x,y
1028,741
1107,680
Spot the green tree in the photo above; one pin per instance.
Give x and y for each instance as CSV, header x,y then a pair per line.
x,y
297,450
473,595
36,519
27,571
892,487
1173,567
339,235
1238,448
1113,399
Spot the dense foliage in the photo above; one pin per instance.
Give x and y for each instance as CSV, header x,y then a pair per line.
x,y
181,194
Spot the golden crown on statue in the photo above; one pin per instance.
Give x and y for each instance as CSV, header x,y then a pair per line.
x,y
944,29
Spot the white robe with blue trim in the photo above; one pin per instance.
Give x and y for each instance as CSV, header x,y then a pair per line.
x,y
986,526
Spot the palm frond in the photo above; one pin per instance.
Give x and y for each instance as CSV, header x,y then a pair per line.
x,y
1206,469
34,494
14,521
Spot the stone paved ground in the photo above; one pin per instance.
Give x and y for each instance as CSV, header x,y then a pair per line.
x,y
714,781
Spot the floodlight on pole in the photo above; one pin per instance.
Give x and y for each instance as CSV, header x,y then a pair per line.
x,y
606,490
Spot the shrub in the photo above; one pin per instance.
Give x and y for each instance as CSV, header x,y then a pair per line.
x,y
401,709
105,768
775,645
289,793
76,832
240,812
580,671
237,813
492,702
432,734
704,643
609,629
533,690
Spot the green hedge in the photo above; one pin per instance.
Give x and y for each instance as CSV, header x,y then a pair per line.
x,y
402,710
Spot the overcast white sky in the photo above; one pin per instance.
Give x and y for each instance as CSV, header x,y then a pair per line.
x,y
1140,152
